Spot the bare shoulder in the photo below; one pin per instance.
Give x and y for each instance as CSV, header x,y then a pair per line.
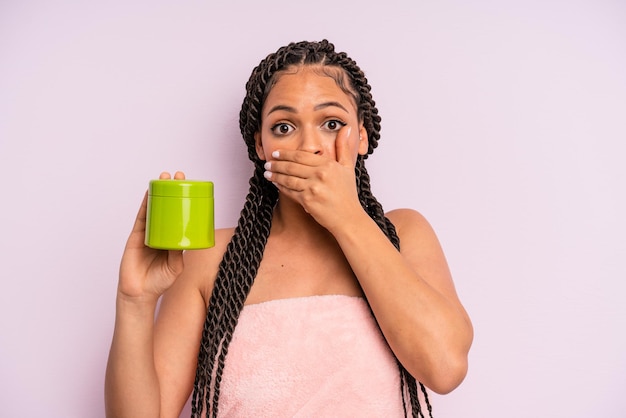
x,y
410,222
201,266
209,259
421,247
200,270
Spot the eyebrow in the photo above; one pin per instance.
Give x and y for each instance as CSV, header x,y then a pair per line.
x,y
330,104
317,107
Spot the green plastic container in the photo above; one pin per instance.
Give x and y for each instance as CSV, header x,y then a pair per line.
x,y
180,215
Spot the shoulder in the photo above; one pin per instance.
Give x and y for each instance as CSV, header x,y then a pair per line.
x,y
408,220
209,256
414,230
422,249
201,266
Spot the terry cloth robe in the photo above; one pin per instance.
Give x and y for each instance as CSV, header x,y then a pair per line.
x,y
317,356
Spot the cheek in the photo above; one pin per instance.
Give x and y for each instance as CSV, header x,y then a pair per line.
x,y
329,149
270,146
267,151
264,147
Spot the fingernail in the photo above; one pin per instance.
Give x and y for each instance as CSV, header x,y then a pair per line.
x,y
275,154
267,174
267,166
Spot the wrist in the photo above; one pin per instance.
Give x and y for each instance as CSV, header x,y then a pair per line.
x,y
136,304
355,224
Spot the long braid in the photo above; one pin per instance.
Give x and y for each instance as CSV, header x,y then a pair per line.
x,y
376,212
234,279
243,254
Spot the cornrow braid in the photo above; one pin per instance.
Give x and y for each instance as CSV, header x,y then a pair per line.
x,y
241,260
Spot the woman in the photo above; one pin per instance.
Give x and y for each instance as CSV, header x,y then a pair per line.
x,y
324,304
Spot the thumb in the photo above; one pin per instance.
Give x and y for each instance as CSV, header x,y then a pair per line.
x,y
342,146
175,262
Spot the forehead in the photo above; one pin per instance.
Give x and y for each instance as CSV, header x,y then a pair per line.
x,y
309,84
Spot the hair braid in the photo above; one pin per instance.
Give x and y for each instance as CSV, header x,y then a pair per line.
x,y
243,254
376,212
234,279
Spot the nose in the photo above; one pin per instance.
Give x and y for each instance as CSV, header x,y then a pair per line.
x,y
311,141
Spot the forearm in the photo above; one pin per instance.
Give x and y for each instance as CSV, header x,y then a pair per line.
x,y
131,384
427,330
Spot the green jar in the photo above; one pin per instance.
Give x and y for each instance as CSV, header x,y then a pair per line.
x,y
180,215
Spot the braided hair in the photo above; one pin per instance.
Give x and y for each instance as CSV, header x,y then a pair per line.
x,y
243,254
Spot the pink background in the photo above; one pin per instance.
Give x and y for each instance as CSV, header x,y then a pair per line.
x,y
504,122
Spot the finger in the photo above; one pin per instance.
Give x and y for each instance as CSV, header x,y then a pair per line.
x,y
296,156
286,167
165,176
285,181
175,262
179,175
342,146
280,176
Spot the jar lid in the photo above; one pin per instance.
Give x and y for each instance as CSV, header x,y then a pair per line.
x,y
181,188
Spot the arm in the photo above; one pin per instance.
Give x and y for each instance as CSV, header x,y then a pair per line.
x,y
146,359
178,332
152,363
412,296
411,292
131,382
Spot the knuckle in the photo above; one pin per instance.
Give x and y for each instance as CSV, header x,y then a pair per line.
x,y
290,182
322,175
307,200
315,191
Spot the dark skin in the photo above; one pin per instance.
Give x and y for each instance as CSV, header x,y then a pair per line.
x,y
321,242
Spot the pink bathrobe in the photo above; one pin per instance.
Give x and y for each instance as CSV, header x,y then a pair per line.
x,y
318,356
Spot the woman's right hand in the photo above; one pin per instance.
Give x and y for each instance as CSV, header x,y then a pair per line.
x,y
146,273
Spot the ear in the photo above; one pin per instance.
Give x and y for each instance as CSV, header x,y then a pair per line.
x,y
258,144
363,140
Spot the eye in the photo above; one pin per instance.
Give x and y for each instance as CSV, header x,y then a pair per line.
x,y
282,129
334,125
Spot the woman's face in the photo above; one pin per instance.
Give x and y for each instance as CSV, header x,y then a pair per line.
x,y
304,111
